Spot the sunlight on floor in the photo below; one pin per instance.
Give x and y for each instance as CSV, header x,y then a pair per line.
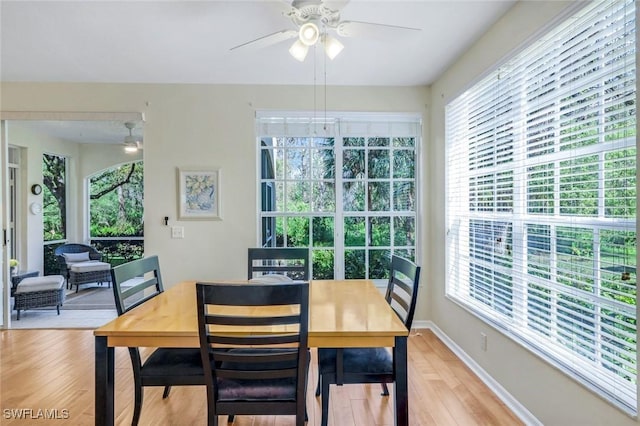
x,y
48,318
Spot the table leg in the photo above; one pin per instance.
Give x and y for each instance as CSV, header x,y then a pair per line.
x,y
401,384
104,394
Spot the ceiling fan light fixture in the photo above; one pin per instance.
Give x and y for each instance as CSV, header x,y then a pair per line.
x,y
130,147
309,33
130,142
332,46
299,50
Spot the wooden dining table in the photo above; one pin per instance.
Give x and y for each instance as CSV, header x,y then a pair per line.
x,y
342,313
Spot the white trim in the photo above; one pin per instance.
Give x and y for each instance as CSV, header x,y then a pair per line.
x,y
72,116
514,405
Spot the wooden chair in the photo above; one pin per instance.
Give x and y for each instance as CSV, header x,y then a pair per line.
x,y
133,284
254,373
370,365
290,261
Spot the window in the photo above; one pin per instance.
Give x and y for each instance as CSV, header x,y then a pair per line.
x,y
541,199
54,208
116,227
346,188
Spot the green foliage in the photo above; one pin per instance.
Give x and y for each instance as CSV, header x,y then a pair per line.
x,y
54,209
323,264
116,201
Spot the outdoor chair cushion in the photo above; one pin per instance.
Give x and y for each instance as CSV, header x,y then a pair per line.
x,y
71,258
47,282
89,266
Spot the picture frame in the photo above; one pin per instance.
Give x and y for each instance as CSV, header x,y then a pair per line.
x,y
199,194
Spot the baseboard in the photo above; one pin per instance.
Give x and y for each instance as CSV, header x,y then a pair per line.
x,y
518,409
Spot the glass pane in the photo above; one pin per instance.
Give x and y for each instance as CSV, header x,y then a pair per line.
x,y
323,231
406,253
280,196
353,196
409,142
298,196
378,164
278,159
280,232
297,232
353,141
302,142
324,164
403,163
618,265
324,197
380,231
353,164
297,166
403,231
575,260
54,215
404,196
323,142
579,186
379,264
354,264
379,196
354,232
323,264
378,141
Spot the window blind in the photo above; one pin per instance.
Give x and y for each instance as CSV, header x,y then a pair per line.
x,y
541,199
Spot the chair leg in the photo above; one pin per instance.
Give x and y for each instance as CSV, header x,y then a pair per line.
x,y
58,309
18,315
138,405
385,389
165,394
231,418
325,402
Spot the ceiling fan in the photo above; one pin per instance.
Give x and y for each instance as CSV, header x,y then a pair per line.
x,y
315,20
131,143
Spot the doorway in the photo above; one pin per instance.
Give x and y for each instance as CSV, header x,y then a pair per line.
x,y
90,142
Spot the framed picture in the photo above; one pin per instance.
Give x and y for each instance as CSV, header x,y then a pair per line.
x,y
198,194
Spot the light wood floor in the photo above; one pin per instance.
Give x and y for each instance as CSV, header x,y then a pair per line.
x,y
52,371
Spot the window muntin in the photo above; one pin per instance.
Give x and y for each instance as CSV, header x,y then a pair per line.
x,y
541,199
349,194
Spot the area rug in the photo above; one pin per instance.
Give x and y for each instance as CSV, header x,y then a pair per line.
x,y
90,297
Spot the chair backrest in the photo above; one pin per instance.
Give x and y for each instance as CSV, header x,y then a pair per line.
x,y
402,289
132,280
290,261
241,355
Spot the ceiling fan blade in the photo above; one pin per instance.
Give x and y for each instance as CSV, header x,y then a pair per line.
x,y
368,29
335,4
269,39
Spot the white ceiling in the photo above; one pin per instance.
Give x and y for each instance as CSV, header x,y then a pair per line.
x,y
189,42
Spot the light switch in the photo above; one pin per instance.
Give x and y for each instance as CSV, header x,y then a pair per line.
x,y
177,232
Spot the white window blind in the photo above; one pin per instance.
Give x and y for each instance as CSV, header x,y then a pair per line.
x,y
541,199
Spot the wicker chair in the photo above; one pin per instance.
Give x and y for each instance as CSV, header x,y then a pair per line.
x,y
91,275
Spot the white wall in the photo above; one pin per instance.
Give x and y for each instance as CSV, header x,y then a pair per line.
x,y
548,394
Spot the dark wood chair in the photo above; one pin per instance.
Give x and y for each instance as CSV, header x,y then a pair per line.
x,y
133,284
290,261
370,365
257,373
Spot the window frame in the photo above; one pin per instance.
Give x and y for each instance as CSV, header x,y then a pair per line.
x,y
340,126
512,117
